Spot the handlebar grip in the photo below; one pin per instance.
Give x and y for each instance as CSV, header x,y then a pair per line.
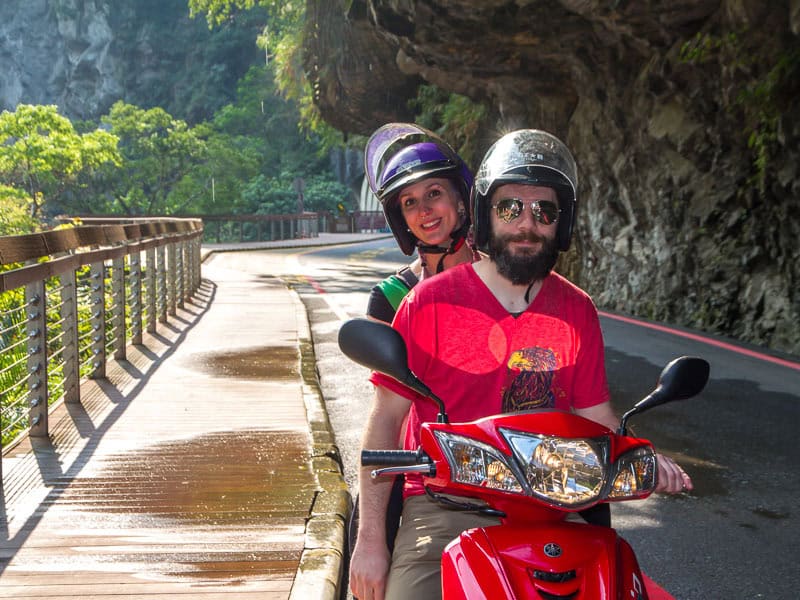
x,y
390,457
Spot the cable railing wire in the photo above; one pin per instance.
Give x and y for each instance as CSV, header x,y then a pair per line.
x,y
66,326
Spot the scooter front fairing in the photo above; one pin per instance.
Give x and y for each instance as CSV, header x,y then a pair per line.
x,y
554,561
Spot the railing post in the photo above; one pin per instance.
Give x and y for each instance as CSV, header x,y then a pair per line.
x,y
181,283
37,358
172,270
118,307
161,283
69,316
135,282
98,319
151,291
193,261
198,255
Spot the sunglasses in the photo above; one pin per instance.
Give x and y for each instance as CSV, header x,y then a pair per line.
x,y
544,211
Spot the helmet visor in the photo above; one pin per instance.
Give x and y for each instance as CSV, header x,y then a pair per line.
x,y
387,141
527,150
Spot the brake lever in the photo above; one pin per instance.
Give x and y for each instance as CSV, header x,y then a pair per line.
x,y
429,470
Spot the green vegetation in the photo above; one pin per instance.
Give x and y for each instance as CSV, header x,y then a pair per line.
x,y
42,154
455,117
282,41
249,155
247,159
15,217
764,84
177,63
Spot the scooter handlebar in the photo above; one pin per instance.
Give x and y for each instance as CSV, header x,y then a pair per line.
x,y
391,457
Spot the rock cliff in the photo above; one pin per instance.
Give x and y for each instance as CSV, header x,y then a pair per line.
x,y
681,115
84,55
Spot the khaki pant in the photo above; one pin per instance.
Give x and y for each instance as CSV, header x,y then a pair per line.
x,y
426,528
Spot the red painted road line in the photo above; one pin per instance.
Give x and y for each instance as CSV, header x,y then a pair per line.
x,y
313,283
655,591
706,340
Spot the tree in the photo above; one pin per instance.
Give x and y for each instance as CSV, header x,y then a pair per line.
x,y
42,154
159,152
282,41
15,215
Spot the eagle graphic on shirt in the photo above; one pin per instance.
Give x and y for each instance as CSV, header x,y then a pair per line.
x,y
529,380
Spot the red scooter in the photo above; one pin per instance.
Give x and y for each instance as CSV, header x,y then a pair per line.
x,y
530,469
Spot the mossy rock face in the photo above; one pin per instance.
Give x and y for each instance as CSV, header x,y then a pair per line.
x,y
679,116
84,56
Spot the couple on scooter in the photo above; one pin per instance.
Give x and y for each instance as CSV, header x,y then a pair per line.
x,y
500,334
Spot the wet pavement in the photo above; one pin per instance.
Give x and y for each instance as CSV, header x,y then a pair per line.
x,y
203,464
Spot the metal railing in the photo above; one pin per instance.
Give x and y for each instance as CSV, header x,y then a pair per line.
x,y
260,228
72,298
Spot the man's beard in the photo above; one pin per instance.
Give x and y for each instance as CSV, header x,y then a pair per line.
x,y
525,266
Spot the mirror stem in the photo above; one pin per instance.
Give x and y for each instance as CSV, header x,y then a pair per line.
x,y
623,422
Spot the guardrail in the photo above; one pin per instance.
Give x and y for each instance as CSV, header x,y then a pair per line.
x,y
71,298
260,228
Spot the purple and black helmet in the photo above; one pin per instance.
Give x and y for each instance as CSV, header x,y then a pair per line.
x,y
399,154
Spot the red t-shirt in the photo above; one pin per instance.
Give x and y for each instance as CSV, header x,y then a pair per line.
x,y
482,360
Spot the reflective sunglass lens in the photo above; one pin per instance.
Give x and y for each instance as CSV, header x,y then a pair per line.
x,y
547,212
544,211
508,209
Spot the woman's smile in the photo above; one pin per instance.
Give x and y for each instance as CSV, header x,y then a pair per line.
x,y
429,225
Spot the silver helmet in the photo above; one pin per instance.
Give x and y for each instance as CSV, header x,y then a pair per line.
x,y
529,157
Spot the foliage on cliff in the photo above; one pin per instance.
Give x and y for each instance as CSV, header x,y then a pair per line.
x,y
247,159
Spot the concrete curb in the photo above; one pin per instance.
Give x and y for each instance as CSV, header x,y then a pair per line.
x,y
321,568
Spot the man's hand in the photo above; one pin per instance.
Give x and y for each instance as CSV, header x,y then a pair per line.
x,y
369,568
671,478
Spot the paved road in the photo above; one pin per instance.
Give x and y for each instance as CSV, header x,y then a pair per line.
x,y
736,536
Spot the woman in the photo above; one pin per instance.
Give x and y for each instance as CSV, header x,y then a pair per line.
x,y
423,187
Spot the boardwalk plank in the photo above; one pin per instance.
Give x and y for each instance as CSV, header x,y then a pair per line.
x,y
187,472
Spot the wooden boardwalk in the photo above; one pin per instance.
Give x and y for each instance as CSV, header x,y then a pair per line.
x,y
186,473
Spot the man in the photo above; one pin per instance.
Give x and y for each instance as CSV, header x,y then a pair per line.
x,y
497,335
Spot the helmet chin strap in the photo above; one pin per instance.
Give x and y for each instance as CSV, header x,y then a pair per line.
x,y
458,238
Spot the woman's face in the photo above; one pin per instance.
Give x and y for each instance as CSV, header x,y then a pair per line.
x,y
430,208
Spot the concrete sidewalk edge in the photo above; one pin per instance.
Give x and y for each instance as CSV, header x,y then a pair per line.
x,y
321,570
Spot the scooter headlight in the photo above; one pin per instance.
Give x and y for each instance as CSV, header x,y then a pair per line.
x,y
567,472
634,474
475,463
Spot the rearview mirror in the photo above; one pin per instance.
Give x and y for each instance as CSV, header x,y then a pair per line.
x,y
375,345
682,378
